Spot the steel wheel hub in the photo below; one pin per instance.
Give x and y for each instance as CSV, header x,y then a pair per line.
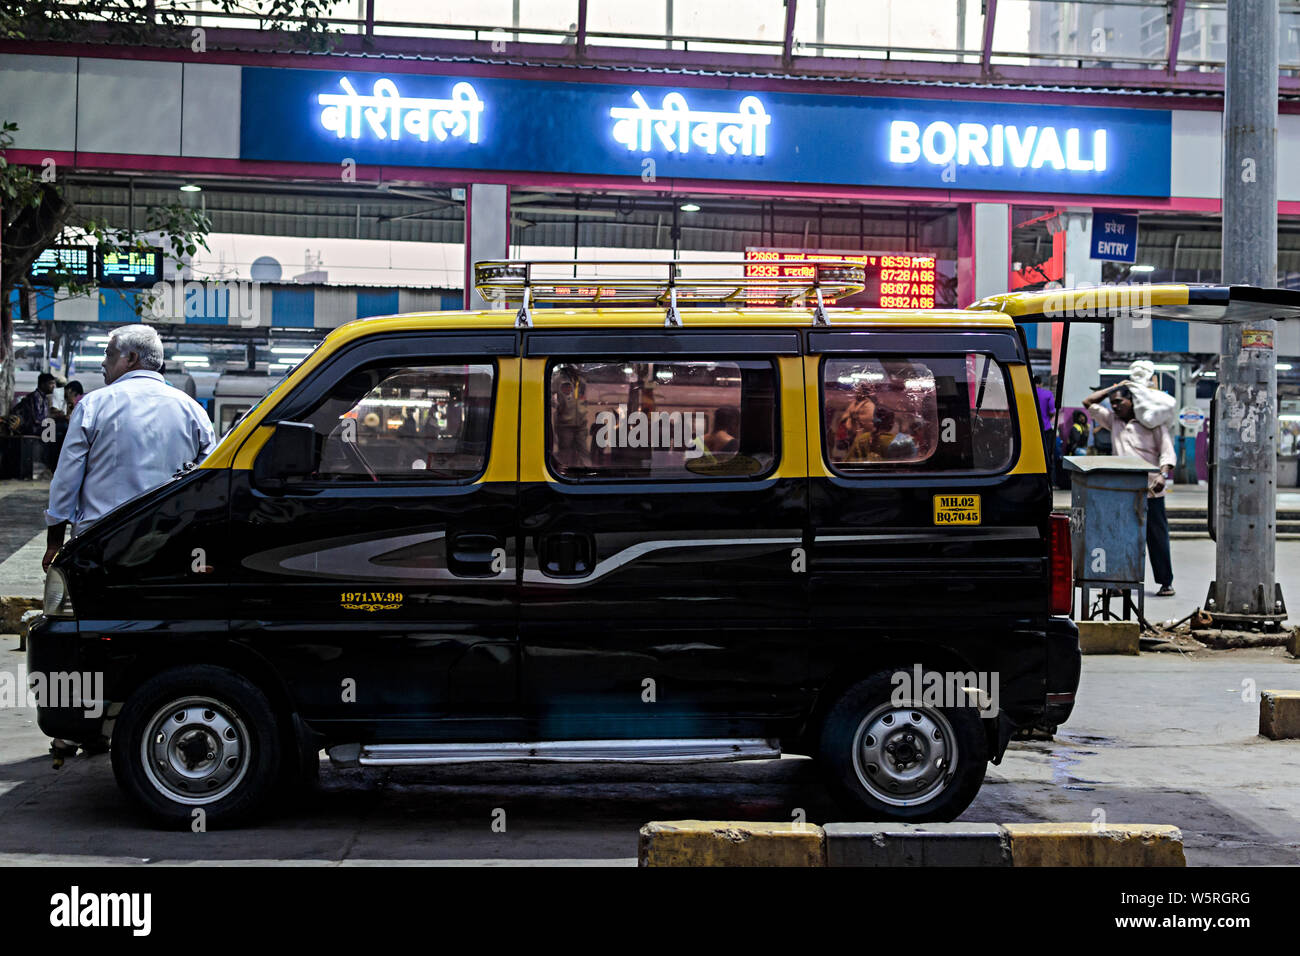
x,y
195,750
904,756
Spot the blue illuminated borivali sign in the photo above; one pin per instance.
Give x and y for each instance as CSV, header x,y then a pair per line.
x,y
694,133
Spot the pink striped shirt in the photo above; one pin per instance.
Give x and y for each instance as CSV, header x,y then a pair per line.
x,y
1152,445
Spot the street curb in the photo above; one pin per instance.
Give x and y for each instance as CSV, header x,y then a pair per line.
x,y
1084,844
1279,714
726,843
1109,637
745,843
917,844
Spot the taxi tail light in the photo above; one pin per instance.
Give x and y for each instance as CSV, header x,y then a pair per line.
x,y
1060,565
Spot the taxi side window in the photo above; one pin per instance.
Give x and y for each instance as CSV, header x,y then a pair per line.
x,y
426,422
934,413
652,419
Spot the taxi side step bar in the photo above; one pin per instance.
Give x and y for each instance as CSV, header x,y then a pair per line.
x,y
585,751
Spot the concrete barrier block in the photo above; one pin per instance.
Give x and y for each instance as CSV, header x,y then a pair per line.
x,y
730,843
1279,714
1109,637
1083,844
916,844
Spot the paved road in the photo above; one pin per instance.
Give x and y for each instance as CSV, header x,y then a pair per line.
x,y
1157,739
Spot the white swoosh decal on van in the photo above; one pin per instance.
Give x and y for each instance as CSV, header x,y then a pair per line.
x,y
631,553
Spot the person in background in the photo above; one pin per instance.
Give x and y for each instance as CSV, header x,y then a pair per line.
x,y
1046,415
125,439
1076,441
28,417
725,437
30,412
73,393
570,425
1156,448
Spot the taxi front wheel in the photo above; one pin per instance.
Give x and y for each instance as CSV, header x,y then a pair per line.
x,y
197,747
890,760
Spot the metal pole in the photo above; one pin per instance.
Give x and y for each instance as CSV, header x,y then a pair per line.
x,y
1246,432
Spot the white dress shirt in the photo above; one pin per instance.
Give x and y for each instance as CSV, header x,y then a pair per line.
x,y
123,440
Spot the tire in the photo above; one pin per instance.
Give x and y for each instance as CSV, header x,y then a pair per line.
x,y
933,775
197,737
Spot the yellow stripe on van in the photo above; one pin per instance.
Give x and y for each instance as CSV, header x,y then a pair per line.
x,y
1098,302
1032,460
532,421
813,412
503,461
794,448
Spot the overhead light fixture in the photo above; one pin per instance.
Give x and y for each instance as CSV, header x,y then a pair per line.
x,y
290,350
1141,268
189,358
191,188
689,207
1283,366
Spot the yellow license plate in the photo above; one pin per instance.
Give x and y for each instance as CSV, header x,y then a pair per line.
x,y
956,509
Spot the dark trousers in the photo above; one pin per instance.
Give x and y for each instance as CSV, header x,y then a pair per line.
x,y
1158,542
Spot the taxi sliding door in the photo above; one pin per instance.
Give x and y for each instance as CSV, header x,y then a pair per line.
x,y
662,513
928,495
383,585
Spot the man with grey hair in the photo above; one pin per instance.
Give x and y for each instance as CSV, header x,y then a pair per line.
x,y
124,439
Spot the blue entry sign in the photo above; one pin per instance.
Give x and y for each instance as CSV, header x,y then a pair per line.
x,y
653,133
1114,237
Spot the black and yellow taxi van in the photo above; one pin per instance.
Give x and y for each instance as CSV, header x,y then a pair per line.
x,y
684,516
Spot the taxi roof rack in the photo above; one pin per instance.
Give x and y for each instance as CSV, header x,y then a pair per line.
x,y
667,284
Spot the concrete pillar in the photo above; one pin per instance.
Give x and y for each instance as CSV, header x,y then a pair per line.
x,y
1083,361
984,257
487,233
1245,433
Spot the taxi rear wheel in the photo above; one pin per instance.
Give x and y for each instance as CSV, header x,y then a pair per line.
x,y
197,746
909,763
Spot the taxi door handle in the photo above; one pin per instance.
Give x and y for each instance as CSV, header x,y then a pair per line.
x,y
471,553
566,554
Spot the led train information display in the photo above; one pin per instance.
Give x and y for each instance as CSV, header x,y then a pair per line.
x,y
894,280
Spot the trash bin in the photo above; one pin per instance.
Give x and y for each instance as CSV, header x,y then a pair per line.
x,y
18,455
1287,471
1108,528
